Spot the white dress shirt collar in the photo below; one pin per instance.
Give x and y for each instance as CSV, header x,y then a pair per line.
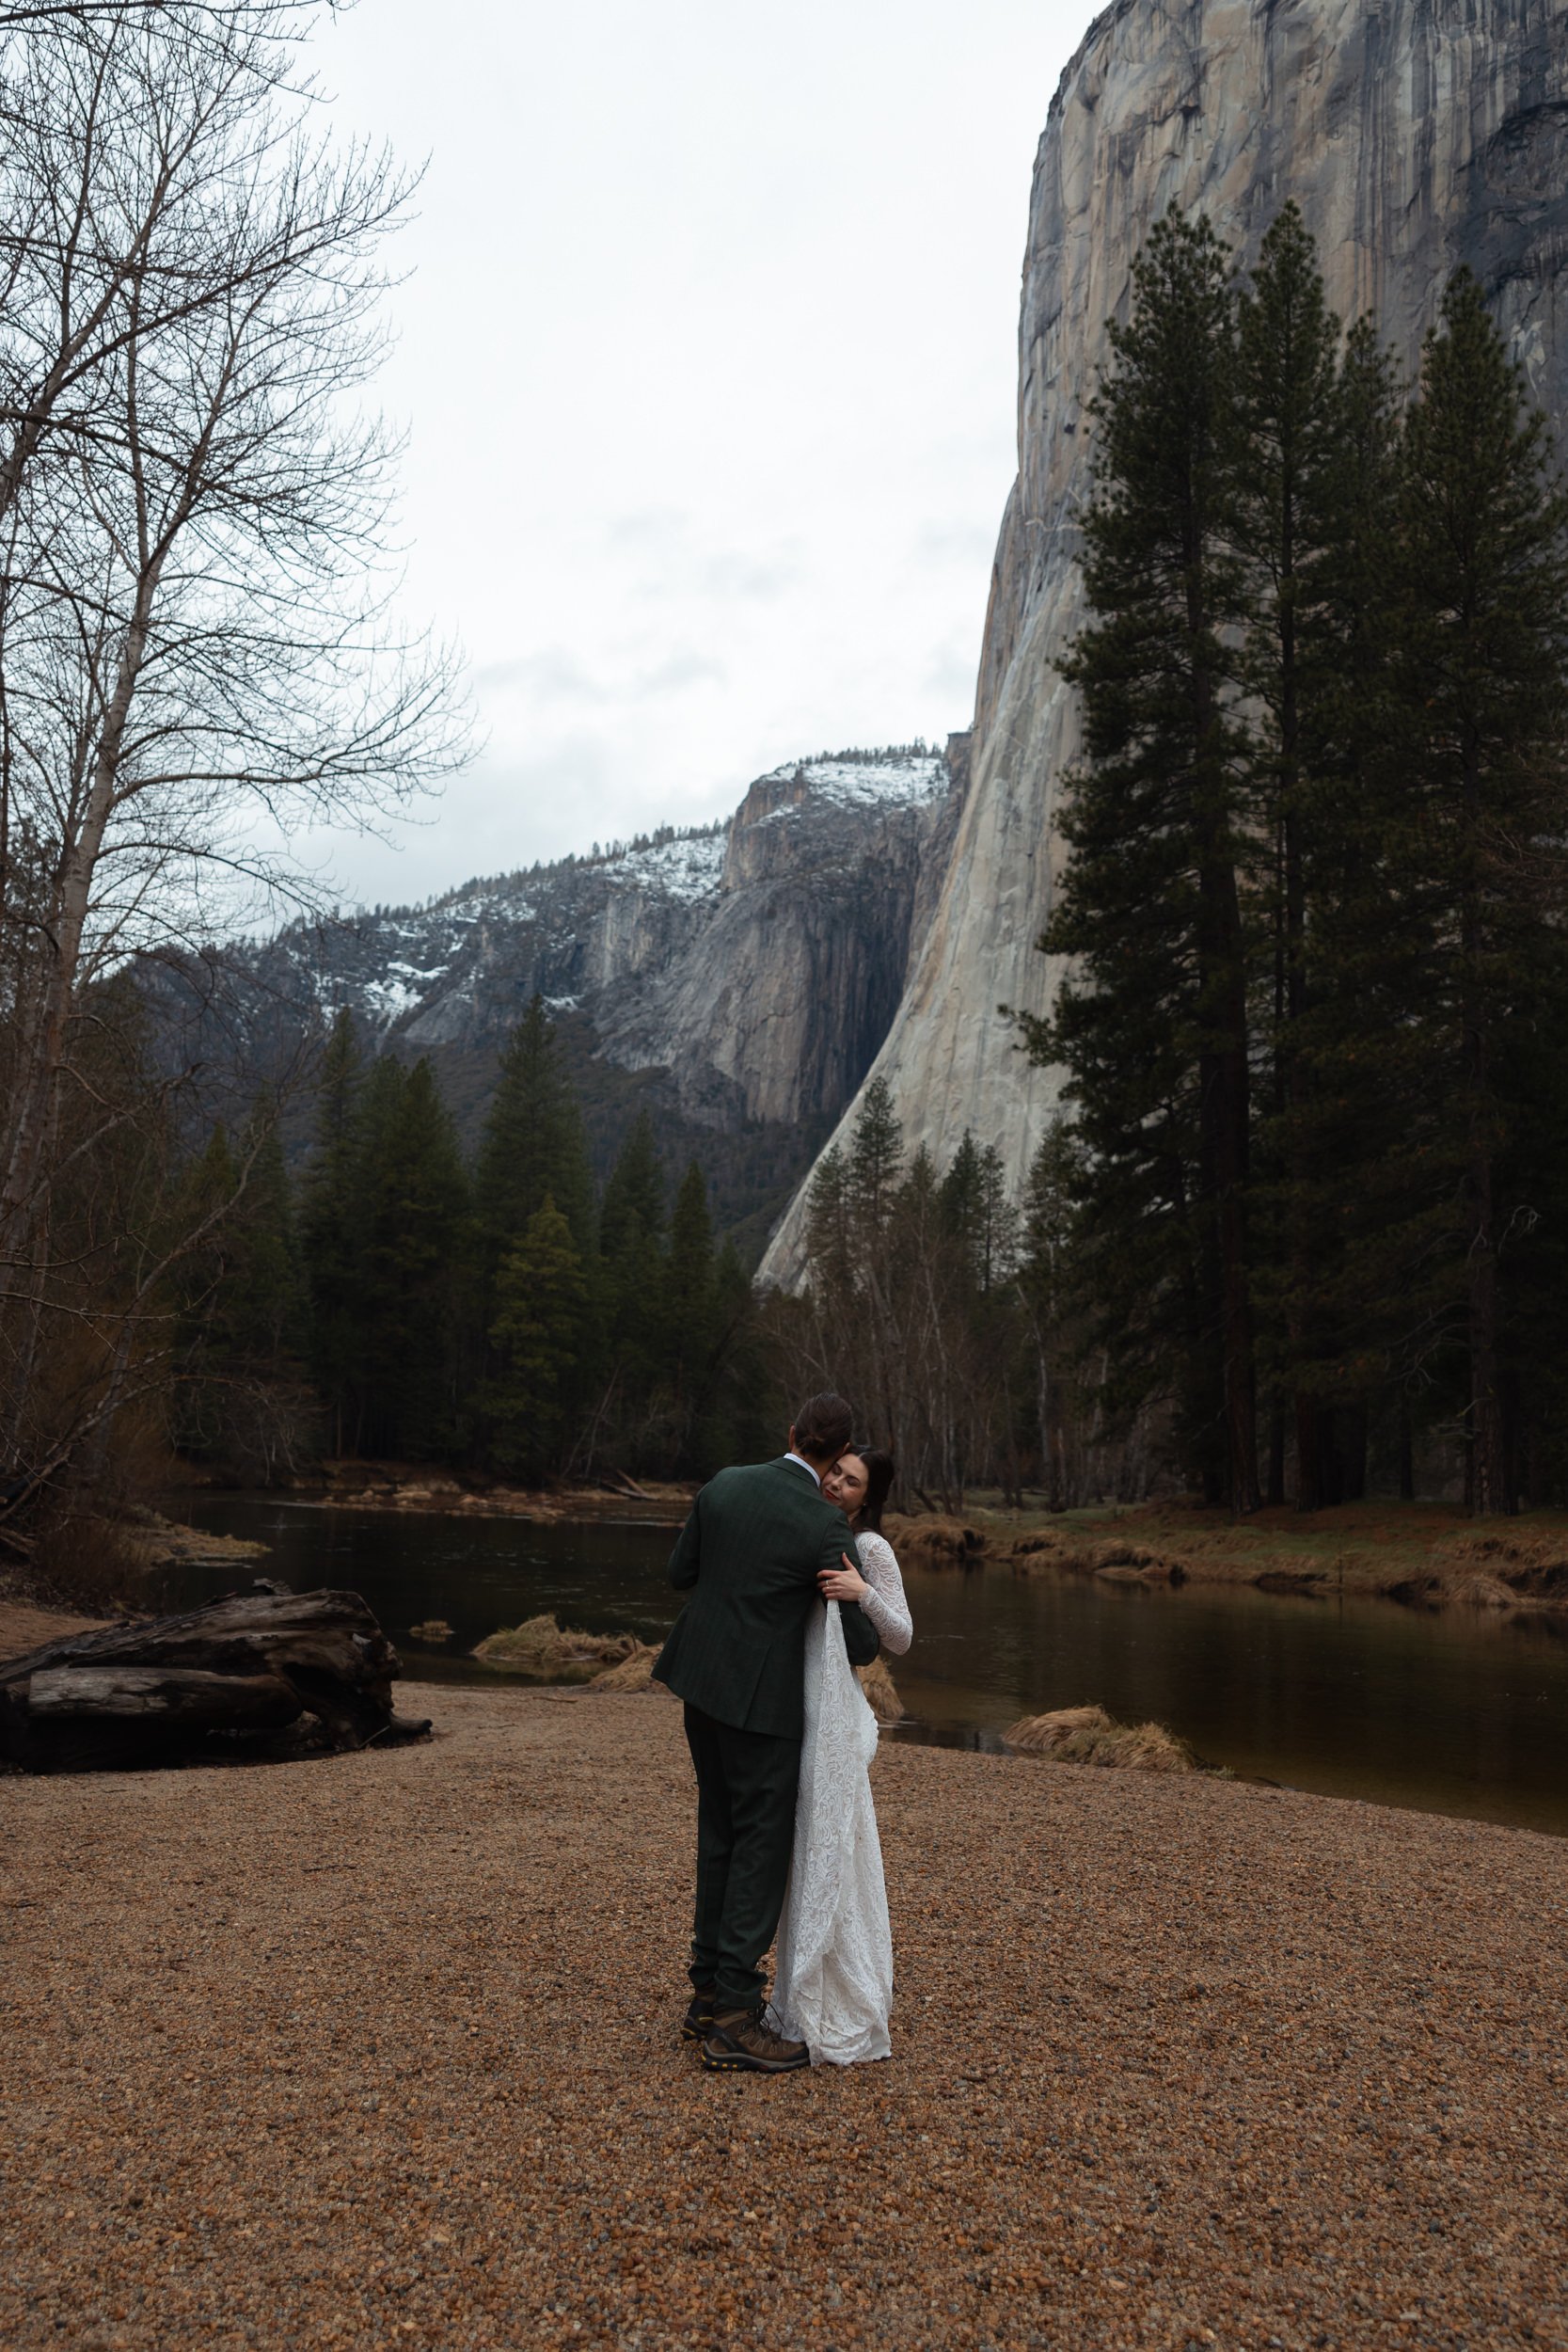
x,y
806,1466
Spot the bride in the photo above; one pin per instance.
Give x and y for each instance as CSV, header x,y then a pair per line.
x,y
833,1988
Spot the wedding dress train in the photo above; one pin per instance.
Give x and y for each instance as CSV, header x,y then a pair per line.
x,y
834,1984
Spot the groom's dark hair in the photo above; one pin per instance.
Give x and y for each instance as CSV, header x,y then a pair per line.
x,y
823,1425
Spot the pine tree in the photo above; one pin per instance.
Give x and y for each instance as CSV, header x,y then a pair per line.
x,y
689,1315
830,1252
997,1230
958,1192
201,1338
533,1144
711,1363
875,1156
1347,1096
329,1238
539,1334
978,1215
633,1207
1152,1023
410,1200
1477,810
263,1284
241,1306
631,1231
738,1424
1046,1286
1285,421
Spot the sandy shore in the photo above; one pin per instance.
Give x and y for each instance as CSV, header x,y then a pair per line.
x,y
382,2051
24,1626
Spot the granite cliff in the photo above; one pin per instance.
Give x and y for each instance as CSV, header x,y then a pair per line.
x,y
1416,134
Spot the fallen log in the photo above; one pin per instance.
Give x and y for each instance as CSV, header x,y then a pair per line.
x,y
184,1692
265,1672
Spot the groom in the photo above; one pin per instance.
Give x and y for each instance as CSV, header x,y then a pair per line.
x,y
749,1555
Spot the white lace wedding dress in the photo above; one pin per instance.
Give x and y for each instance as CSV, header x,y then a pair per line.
x,y
834,1984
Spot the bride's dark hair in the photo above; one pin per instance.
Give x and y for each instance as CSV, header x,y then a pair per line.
x,y
878,1478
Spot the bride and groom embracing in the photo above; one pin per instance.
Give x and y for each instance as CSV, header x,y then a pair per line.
x,y
785,1602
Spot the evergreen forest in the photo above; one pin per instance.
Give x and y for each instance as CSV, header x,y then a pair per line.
x,y
506,1317
401,1302
1314,912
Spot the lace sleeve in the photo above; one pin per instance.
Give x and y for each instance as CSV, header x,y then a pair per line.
x,y
884,1604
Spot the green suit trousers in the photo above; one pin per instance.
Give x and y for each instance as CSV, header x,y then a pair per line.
x,y
745,1785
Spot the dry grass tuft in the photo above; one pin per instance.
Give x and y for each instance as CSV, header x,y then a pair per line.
x,y
877,1682
1151,1567
1522,1562
939,1540
100,1565
1086,1735
635,1673
547,1652
1474,1589
433,1629
1116,1558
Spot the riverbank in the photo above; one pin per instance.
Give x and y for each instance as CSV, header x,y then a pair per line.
x,y
1425,1554
354,1485
99,1566
380,2050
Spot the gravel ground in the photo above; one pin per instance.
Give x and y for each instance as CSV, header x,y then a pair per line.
x,y
382,2051
23,1626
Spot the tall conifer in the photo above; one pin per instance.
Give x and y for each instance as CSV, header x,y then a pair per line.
x,y
532,1143
633,1210
694,1315
539,1334
690,1282
410,1200
631,1234
1477,812
1152,1021
872,1167
329,1235
1285,423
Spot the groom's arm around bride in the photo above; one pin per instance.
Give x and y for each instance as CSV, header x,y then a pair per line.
x,y
749,1555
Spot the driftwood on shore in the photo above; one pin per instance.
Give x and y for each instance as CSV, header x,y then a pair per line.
x,y
267,1673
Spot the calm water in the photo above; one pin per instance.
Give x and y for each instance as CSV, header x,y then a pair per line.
x,y
1457,1714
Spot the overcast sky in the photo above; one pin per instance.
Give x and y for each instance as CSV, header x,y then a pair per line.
x,y
708,363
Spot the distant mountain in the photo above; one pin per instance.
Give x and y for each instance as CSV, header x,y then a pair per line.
x,y
737,981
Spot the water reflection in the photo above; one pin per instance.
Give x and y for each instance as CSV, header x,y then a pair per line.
x,y
1460,1713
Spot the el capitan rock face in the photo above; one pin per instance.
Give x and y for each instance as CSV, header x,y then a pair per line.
x,y
1416,134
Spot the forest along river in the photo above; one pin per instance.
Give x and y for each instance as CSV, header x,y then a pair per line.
x,y
1464,1712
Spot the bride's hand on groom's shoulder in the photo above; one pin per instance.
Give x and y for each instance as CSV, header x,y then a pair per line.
x,y
845,1583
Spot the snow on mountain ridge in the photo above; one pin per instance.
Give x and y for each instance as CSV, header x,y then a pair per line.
x,y
755,965
901,778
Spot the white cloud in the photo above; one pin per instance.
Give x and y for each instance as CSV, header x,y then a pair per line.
x,y
708,361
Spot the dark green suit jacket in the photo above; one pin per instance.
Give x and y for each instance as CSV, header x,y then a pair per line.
x,y
749,1555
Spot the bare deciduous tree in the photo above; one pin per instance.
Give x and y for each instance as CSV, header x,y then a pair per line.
x,y
197,657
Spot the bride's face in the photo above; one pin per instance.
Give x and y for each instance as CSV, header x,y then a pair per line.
x,y
846,1483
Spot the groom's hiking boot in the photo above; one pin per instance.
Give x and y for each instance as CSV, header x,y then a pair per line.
x,y
742,2043
698,2022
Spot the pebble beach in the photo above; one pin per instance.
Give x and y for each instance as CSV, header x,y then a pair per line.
x,y
382,2051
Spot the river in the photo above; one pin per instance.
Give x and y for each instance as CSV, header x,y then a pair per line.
x,y
1462,1713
